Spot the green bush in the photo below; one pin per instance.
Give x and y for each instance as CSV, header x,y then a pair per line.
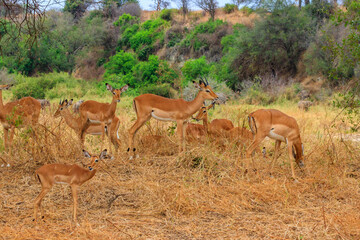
x,y
53,85
121,63
166,14
229,8
246,10
163,89
194,68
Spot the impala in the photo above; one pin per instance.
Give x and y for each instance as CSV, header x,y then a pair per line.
x,y
73,175
195,131
93,129
280,127
165,109
217,126
17,114
96,112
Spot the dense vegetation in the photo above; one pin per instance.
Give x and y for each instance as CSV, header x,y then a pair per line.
x,y
285,43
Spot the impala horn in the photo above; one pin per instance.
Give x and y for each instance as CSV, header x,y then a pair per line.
x,y
207,83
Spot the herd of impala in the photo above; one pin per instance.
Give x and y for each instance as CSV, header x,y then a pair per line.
x,y
97,118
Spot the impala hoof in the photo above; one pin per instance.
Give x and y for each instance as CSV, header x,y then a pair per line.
x,y
301,164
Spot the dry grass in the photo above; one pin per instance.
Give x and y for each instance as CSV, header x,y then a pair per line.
x,y
202,194
196,17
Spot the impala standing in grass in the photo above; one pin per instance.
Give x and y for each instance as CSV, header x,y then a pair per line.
x,y
165,109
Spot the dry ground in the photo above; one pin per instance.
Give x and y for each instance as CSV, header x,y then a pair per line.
x,y
202,194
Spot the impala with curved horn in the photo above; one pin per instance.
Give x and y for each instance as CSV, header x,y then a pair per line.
x,y
282,128
165,109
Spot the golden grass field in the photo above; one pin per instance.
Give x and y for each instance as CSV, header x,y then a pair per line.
x,y
202,194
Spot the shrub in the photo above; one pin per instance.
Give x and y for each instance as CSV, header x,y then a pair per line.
x,y
229,8
246,10
166,14
121,63
194,68
163,89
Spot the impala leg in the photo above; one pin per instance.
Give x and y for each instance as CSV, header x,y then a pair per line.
x,y
258,139
102,134
108,133
276,152
12,132
180,133
38,200
289,145
133,130
184,134
74,194
6,136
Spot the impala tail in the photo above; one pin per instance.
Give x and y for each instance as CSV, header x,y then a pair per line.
x,y
252,124
37,177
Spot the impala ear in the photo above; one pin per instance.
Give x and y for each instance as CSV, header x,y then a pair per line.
x,y
124,88
103,154
70,102
109,87
86,154
202,83
196,85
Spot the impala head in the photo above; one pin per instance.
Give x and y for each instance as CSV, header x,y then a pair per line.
x,y
298,153
202,114
6,87
94,159
116,92
205,89
62,105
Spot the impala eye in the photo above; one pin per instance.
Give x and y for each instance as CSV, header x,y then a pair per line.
x,y
204,111
113,93
61,108
96,160
207,90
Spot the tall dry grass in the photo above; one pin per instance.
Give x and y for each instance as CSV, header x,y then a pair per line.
x,y
202,194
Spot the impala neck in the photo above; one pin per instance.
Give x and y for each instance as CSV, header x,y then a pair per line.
x,y
89,174
70,120
112,109
196,104
205,122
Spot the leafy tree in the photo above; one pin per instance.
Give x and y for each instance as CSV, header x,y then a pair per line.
x,y
208,6
273,46
194,68
76,7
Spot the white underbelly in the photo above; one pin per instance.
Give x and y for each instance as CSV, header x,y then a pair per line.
x,y
161,118
276,136
61,182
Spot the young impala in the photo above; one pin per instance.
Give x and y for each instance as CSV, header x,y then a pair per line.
x,y
93,129
165,109
96,112
280,127
73,175
216,126
17,114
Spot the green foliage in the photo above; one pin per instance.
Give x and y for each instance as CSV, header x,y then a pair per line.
x,y
192,38
141,37
153,75
163,89
194,68
121,63
166,14
47,86
273,45
320,10
229,8
246,10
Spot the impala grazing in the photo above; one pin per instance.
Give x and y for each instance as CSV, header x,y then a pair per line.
x,y
96,112
93,129
217,126
73,175
165,109
280,127
17,114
